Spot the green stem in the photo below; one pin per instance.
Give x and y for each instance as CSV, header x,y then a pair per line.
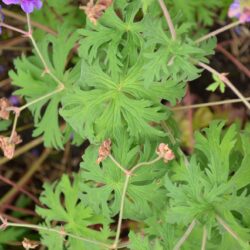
x,y
185,235
47,229
119,225
168,19
14,126
46,67
145,164
58,90
12,28
118,164
24,20
218,31
208,104
204,238
229,230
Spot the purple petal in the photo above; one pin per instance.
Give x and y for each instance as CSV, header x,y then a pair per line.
x,y
38,4
234,10
11,1
27,6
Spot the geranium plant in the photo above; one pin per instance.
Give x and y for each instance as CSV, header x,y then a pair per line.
x,y
100,75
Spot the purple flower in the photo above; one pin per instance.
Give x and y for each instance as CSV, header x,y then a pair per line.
x,y
240,10
14,100
28,6
1,18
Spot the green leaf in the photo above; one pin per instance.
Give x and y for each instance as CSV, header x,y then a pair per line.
x,y
173,59
11,235
106,182
104,105
4,125
217,149
115,38
76,217
33,84
242,177
138,242
217,84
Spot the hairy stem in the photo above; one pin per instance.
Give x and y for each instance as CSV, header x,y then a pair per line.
x,y
12,28
229,229
118,164
58,90
204,238
46,67
47,229
218,31
14,126
185,236
23,19
168,19
145,164
226,81
119,225
208,104
234,60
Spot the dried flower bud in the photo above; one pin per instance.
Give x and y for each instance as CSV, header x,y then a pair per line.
x,y
29,244
104,151
165,152
8,146
4,104
95,11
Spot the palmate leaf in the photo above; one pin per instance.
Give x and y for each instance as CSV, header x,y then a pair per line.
x,y
76,217
197,10
33,84
138,242
105,105
56,13
114,39
204,190
106,182
165,57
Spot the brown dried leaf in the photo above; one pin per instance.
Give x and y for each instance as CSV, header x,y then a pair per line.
x,y
4,104
95,11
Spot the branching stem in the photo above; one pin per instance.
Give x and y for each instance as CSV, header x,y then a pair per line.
x,y
218,31
209,104
168,19
119,225
204,238
13,28
226,81
185,235
128,173
47,229
118,164
229,229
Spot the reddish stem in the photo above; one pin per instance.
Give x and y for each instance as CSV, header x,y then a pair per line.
x,y
20,189
20,209
234,60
